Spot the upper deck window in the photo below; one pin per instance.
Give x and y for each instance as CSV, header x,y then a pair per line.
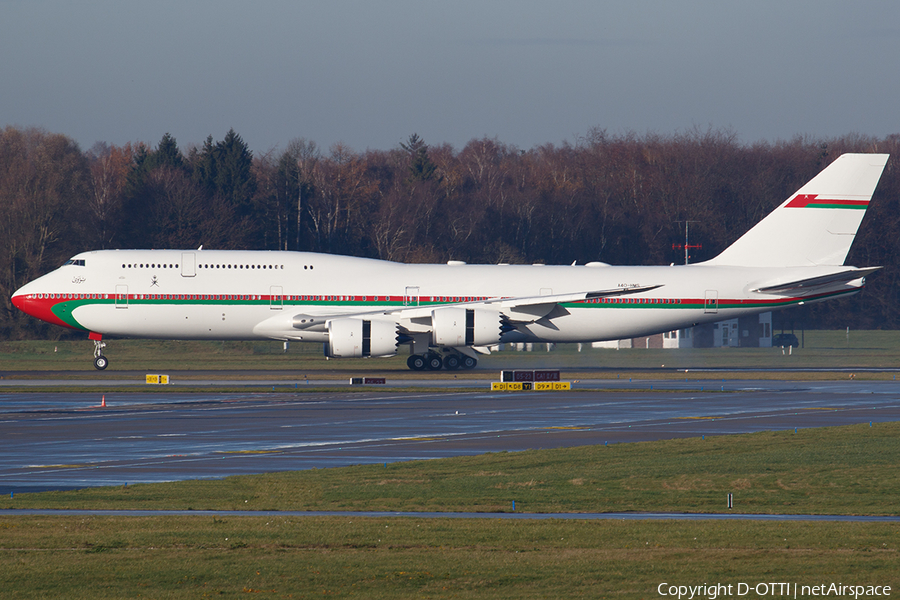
x,y
78,263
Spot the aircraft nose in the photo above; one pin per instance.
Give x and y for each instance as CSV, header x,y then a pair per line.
x,y
38,304
26,299
21,301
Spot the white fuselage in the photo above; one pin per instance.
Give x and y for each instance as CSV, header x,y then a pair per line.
x,y
243,295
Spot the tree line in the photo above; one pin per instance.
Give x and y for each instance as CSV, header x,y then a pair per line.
x,y
620,199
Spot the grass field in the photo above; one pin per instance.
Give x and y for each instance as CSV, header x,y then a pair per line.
x,y
290,557
822,349
834,470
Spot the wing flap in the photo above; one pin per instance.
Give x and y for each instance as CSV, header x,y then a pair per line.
x,y
524,304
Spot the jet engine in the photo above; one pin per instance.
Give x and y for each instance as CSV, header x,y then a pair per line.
x,y
457,326
353,337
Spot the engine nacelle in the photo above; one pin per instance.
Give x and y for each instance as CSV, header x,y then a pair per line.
x,y
458,326
354,337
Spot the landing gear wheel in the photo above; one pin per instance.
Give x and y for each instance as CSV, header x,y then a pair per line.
x,y
100,361
451,362
468,362
433,362
416,362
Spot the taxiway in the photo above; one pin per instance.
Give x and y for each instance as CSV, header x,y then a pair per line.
x,y
65,440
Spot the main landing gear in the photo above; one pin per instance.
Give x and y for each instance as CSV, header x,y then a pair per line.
x,y
100,361
433,361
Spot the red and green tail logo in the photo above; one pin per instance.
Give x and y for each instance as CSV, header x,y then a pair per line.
x,y
813,201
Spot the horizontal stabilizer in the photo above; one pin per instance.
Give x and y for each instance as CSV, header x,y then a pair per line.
x,y
813,285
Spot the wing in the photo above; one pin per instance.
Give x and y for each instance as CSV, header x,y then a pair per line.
x,y
500,314
525,309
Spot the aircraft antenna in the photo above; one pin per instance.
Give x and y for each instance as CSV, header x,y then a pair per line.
x,y
687,246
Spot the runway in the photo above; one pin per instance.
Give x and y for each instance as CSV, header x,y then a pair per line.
x,y
65,440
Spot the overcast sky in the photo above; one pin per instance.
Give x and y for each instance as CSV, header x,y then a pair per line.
x,y
370,73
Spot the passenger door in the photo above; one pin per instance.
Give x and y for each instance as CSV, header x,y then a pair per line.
x,y
276,297
121,296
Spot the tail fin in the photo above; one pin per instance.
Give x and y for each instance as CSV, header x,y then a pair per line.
x,y
817,224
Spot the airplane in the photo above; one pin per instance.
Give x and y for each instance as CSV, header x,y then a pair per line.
x,y
449,314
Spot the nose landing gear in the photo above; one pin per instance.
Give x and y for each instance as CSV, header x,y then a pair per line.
x,y
100,361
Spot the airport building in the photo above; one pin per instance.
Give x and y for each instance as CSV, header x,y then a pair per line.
x,y
754,331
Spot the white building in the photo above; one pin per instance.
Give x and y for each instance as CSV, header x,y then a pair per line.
x,y
754,331
680,338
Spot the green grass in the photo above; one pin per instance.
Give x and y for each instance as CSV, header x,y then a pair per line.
x,y
290,557
823,349
161,355
840,470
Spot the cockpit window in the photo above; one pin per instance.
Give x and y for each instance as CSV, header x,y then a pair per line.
x,y
77,263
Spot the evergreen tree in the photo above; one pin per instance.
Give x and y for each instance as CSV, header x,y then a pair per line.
x,y
203,165
134,182
234,178
421,168
167,154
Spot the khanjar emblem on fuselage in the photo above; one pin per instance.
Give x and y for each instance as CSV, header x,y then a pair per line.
x,y
154,281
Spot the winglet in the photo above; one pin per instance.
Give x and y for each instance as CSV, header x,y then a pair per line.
x,y
816,225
